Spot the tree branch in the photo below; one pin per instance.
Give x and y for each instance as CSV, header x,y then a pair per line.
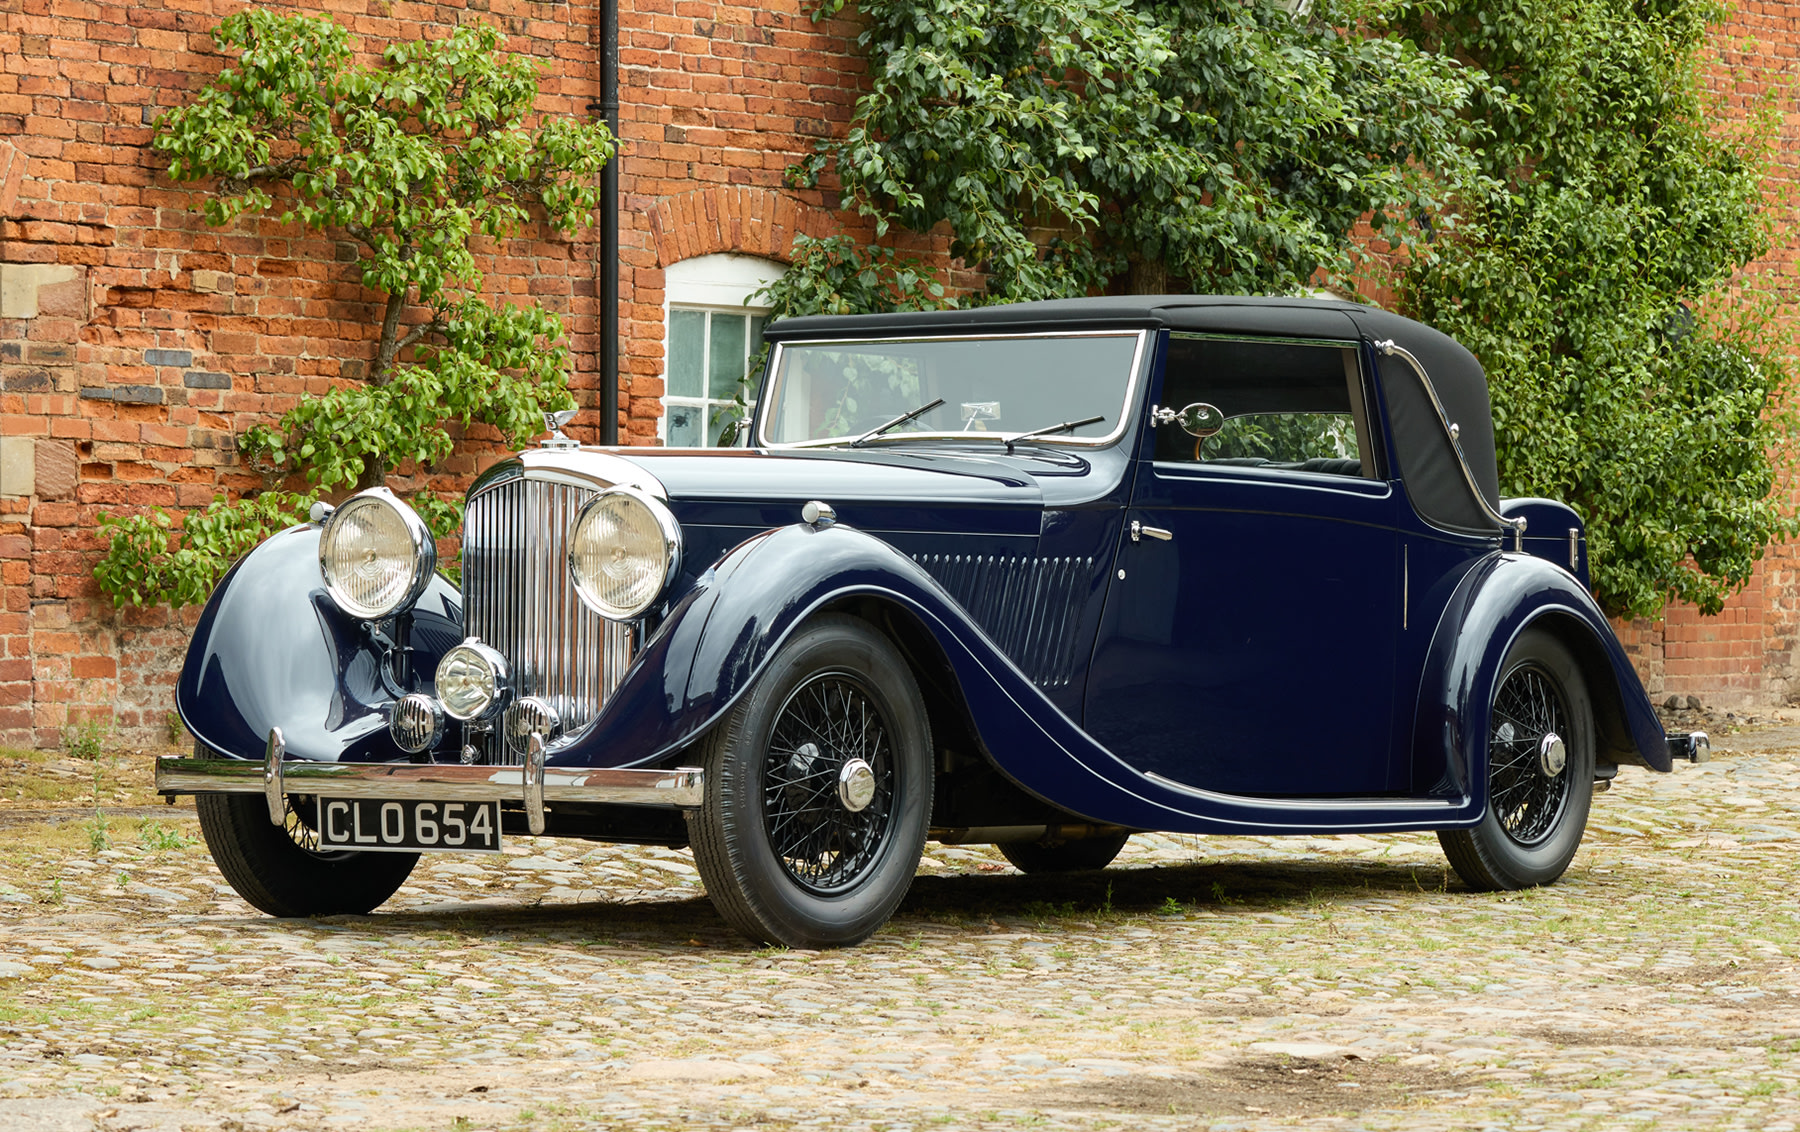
x,y
390,336
417,334
276,171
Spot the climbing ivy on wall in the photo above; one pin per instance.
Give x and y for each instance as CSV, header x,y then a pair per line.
x,y
1150,145
1635,369
409,159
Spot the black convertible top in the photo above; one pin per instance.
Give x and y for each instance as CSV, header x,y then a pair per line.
x,y
1426,461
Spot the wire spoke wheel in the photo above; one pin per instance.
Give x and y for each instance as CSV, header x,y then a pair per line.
x,y
826,723
299,830
1540,755
1525,798
818,790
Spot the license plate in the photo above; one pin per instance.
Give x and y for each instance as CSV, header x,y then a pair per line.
x,y
409,827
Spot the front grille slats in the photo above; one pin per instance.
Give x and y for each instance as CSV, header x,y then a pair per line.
x,y
517,597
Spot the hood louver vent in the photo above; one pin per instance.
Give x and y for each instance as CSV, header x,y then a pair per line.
x,y
1029,606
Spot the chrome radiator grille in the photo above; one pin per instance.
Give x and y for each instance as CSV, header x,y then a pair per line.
x,y
517,597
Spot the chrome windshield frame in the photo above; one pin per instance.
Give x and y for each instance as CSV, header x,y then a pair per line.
x,y
768,395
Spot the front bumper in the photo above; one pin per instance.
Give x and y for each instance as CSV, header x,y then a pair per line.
x,y
531,785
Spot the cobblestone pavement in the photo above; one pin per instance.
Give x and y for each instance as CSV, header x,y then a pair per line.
x,y
1220,983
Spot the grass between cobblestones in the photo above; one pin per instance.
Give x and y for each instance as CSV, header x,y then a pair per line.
x,y
1220,983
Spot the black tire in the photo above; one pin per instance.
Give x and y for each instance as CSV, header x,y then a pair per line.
x,y
1534,819
1051,856
274,868
784,858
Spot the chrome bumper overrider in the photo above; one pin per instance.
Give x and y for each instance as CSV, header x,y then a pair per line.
x,y
532,785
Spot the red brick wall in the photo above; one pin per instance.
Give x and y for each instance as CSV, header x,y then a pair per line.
x,y
136,342
142,342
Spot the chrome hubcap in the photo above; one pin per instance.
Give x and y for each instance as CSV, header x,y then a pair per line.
x,y
1552,755
856,785
1528,789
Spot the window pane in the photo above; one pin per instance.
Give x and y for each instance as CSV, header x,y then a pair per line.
x,y
1015,384
1312,442
685,426
687,353
727,355
1286,405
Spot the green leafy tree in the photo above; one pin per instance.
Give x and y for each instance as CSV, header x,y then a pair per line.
x,y
1634,370
1559,195
412,159
1075,145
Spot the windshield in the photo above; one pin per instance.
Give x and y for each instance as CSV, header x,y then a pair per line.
x,y
1000,387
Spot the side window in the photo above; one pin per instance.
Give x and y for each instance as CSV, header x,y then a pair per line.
x,y
712,331
1287,406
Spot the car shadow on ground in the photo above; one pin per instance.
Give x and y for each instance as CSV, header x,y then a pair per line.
x,y
1261,887
979,902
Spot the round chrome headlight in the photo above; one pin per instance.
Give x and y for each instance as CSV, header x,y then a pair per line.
x,y
624,548
377,555
472,679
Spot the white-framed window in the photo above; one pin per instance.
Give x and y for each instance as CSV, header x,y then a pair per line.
x,y
712,329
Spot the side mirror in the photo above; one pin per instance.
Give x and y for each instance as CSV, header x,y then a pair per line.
x,y
1200,419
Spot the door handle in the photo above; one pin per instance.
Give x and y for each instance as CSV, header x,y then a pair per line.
x,y
1139,531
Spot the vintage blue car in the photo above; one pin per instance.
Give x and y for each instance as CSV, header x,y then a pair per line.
x,y
1039,575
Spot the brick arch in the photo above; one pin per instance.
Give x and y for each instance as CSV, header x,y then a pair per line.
x,y
734,218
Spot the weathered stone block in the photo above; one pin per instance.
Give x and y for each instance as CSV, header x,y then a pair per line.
x,y
168,357
24,379
18,465
12,176
205,379
51,353
58,470
64,300
124,394
21,283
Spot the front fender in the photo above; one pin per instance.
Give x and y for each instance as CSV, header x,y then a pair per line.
x,y
719,635
273,650
1497,600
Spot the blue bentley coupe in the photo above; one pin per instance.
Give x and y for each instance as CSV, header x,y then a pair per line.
x,y
1040,576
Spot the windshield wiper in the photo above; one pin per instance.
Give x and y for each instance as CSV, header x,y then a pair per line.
x,y
1066,426
895,423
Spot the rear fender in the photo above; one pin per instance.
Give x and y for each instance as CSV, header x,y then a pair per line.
x,y
1496,601
273,650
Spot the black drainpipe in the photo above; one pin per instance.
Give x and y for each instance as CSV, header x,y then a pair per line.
x,y
609,226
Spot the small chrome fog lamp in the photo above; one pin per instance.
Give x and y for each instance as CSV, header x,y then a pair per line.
x,y
417,723
472,681
376,554
531,716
